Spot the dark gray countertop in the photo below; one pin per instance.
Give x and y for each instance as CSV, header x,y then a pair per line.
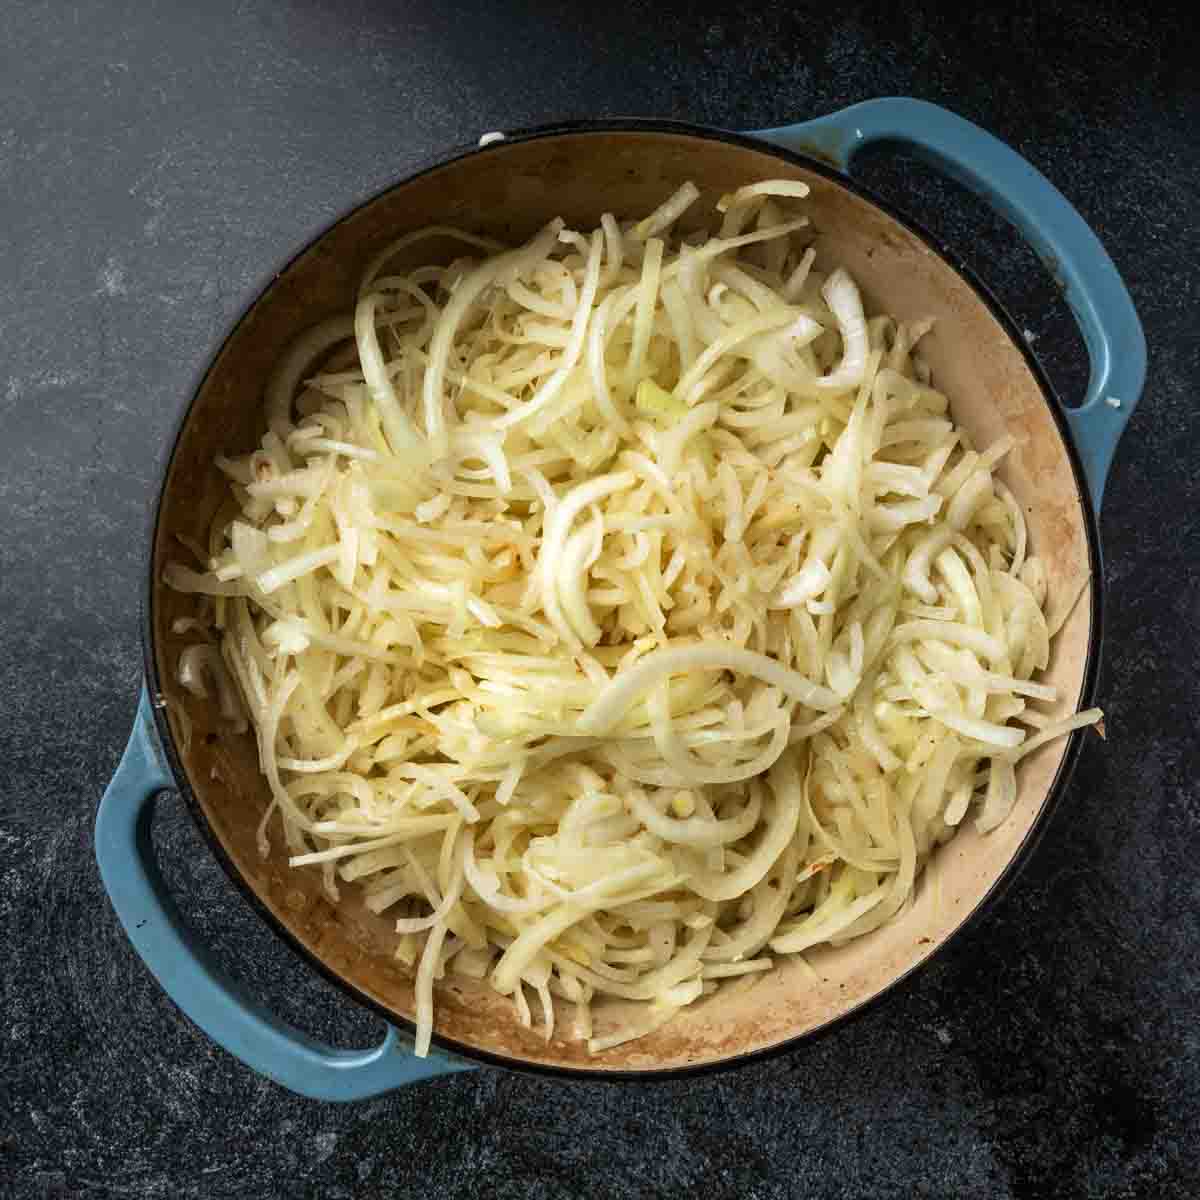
x,y
156,159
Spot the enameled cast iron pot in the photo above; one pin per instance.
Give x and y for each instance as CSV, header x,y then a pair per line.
x,y
508,189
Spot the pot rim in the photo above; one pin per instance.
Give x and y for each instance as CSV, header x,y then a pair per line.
x,y
1054,793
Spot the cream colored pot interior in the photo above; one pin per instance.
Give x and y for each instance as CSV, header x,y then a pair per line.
x,y
509,191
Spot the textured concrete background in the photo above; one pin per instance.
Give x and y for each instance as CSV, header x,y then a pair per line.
x,y
156,159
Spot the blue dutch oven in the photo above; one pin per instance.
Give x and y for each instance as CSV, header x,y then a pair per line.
x,y
508,188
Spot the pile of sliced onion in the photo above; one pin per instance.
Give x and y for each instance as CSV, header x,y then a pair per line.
x,y
620,612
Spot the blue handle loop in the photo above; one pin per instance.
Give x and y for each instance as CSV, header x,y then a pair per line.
x,y
1042,215
189,974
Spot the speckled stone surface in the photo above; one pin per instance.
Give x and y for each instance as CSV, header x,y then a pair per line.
x,y
156,160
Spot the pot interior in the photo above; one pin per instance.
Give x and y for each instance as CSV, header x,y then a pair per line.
x,y
508,191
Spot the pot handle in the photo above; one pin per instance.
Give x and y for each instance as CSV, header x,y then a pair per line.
x,y
1042,215
189,974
